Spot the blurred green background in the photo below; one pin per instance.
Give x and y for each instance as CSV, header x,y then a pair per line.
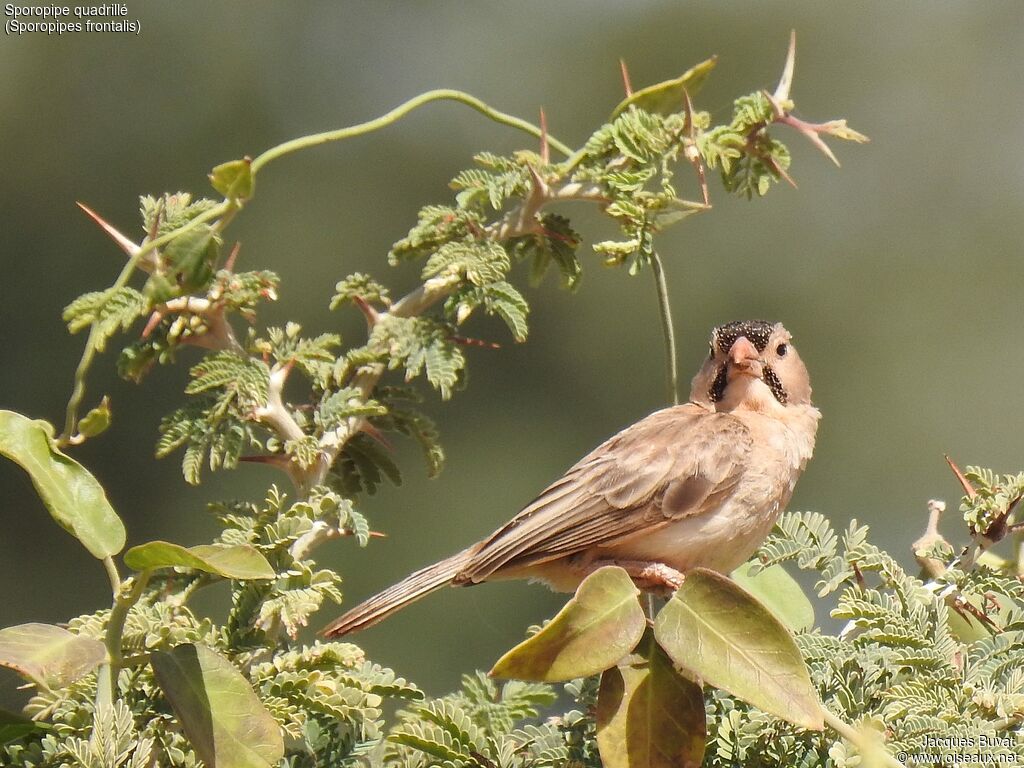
x,y
900,274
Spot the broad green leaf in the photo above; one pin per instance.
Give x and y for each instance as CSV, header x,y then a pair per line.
x,y
669,96
233,562
233,179
722,634
600,624
73,496
14,726
779,593
49,656
648,714
219,712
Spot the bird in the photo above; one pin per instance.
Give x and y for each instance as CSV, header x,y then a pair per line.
x,y
696,485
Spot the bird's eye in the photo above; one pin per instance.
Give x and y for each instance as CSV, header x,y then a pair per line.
x,y
781,350
711,351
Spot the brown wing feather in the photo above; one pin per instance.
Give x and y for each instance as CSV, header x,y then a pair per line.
x,y
676,462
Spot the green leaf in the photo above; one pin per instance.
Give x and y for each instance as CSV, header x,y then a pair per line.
x,y
49,656
14,726
105,312
96,421
649,715
233,562
728,639
233,179
74,498
779,593
600,624
191,256
219,712
669,96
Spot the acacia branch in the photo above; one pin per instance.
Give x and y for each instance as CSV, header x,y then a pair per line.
x,y
519,222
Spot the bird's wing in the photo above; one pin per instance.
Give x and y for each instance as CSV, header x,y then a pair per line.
x,y
675,463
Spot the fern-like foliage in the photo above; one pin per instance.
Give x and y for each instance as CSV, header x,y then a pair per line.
x,y
988,511
106,311
359,286
555,244
750,161
314,356
483,725
166,213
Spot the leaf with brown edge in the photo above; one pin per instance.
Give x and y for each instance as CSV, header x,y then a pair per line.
x,y
722,634
49,656
221,715
648,714
600,624
670,95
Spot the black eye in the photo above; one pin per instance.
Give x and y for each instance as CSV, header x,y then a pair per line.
x,y
711,351
781,350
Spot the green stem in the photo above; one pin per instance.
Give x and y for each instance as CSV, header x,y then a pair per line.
x,y
113,575
123,603
398,113
857,739
666,326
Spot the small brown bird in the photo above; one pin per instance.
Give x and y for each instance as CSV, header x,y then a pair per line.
x,y
695,485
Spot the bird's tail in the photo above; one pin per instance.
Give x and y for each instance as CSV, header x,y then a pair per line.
x,y
395,598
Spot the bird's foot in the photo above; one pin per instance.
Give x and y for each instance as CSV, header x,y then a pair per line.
x,y
657,578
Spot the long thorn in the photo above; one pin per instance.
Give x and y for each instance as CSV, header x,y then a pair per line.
x,y
123,242
628,86
969,491
691,151
786,81
229,265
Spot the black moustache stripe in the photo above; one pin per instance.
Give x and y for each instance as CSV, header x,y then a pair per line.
x,y
772,380
717,390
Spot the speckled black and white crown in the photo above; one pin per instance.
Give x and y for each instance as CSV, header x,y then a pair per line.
x,y
756,331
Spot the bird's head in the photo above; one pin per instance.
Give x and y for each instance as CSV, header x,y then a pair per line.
x,y
751,364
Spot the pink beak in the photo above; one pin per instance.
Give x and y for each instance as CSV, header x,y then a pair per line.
x,y
744,357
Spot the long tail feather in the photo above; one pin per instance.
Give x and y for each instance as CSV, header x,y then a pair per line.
x,y
395,598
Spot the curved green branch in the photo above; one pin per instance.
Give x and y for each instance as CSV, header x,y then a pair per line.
x,y
396,114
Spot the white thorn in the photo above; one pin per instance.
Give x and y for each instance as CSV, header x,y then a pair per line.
x,y
126,245
786,81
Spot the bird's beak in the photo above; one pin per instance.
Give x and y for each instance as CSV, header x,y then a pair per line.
x,y
745,358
